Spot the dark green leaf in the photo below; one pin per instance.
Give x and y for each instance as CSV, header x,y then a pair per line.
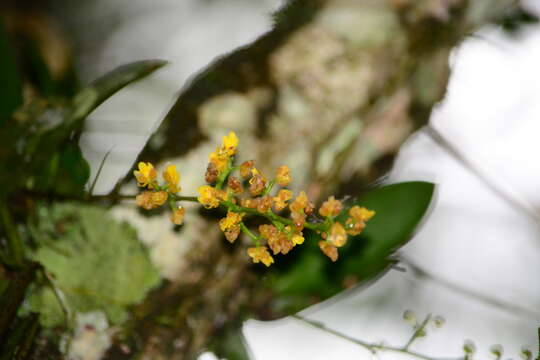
x,y
229,344
308,273
307,276
399,209
10,79
86,101
73,172
104,87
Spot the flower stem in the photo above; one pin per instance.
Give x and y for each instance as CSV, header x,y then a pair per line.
x,y
185,198
269,187
253,237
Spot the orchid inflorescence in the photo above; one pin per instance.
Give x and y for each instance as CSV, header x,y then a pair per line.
x,y
250,193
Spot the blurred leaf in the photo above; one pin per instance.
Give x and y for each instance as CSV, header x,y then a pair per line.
x,y
515,19
308,273
107,85
85,102
230,345
399,209
73,172
306,276
65,173
4,282
10,79
96,262
19,340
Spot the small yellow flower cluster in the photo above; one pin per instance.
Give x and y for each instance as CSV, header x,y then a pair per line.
x,y
157,194
251,194
221,158
336,235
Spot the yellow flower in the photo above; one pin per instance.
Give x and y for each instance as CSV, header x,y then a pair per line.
x,y
232,219
337,236
265,203
257,183
150,200
229,144
277,240
260,254
283,175
232,234
235,185
329,250
297,239
177,215
220,157
280,201
208,196
230,225
245,169
361,213
331,207
146,175
357,221
172,177
300,203
299,220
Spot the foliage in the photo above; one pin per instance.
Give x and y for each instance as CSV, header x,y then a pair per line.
x,y
400,208
95,262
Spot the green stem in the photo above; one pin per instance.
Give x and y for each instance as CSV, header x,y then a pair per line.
x,y
185,198
317,226
60,297
223,176
269,187
368,346
269,215
253,237
418,332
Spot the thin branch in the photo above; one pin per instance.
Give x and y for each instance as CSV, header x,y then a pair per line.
x,y
502,193
366,345
420,331
91,189
248,232
61,299
507,306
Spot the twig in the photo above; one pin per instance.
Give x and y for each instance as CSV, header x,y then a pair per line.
x,y
517,204
368,346
420,331
507,306
91,189
70,318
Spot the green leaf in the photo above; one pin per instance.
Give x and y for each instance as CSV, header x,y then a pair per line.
x,y
73,172
229,344
307,276
307,273
399,209
86,101
10,79
107,85
96,263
